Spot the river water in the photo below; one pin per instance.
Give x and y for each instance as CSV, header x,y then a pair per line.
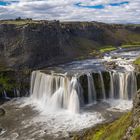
x,y
72,97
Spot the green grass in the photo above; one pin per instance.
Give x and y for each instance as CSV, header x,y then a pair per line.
x,y
107,49
137,61
113,131
130,46
9,81
6,83
136,134
17,22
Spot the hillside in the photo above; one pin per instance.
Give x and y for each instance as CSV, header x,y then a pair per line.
x,y
35,44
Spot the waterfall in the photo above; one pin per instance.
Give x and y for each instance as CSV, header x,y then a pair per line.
x,y
74,102
56,92
33,75
55,101
16,93
111,94
5,94
102,85
91,89
123,85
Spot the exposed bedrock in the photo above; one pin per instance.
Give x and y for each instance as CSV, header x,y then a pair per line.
x,y
35,45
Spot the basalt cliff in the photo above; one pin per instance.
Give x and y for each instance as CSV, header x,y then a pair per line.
x,y
36,44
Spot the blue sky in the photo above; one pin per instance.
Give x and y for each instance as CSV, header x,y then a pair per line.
x,y
2,3
109,11
100,6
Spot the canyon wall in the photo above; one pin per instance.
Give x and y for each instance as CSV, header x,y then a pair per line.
x,y
41,44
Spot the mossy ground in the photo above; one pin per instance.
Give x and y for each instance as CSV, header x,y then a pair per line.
x,y
18,22
136,134
11,80
107,49
6,82
131,46
113,131
137,61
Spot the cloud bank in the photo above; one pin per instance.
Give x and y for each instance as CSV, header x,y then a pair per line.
x,y
109,11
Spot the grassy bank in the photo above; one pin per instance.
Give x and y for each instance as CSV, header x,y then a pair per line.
x,y
107,49
137,61
113,131
130,46
18,22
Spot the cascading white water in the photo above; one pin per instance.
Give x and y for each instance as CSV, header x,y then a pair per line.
x,y
102,85
74,102
111,94
55,92
56,99
123,85
91,89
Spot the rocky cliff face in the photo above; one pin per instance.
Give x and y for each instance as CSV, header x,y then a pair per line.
x,y
14,84
33,45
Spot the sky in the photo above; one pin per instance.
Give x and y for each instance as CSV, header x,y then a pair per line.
x,y
108,11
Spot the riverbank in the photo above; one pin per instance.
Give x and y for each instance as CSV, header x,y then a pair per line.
x,y
114,130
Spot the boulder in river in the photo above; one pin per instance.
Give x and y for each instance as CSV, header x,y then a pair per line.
x,y
110,65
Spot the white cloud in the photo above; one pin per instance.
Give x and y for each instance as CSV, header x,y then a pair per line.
x,y
67,10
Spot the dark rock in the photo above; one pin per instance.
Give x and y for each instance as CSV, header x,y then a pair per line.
x,y
110,65
2,112
114,57
2,131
